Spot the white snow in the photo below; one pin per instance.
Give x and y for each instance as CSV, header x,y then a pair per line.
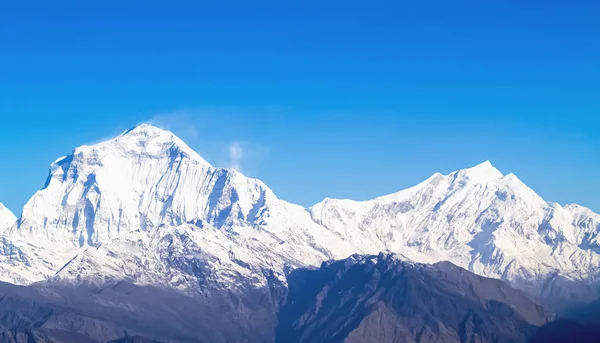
x,y
7,218
108,210
147,208
491,224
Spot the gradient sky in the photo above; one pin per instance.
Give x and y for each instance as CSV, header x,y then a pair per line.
x,y
351,99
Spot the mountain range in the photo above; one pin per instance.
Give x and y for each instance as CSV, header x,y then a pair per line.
x,y
144,209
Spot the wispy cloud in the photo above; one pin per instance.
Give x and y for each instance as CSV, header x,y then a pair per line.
x,y
213,133
236,155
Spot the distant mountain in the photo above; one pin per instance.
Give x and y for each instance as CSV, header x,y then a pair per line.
x,y
387,298
483,221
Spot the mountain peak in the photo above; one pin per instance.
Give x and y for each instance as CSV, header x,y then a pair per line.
x,y
483,172
146,129
149,140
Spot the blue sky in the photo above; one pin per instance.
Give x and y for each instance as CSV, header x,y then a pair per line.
x,y
349,99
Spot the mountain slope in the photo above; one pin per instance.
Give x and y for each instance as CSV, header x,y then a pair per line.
x,y
112,311
7,218
479,219
383,298
388,298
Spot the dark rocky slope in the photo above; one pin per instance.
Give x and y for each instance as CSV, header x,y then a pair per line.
x,y
566,331
27,335
387,299
112,311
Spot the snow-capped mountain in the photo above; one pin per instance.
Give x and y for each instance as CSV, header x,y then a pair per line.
x,y
477,218
145,207
7,218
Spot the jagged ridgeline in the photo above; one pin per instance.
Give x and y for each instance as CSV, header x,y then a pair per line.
x,y
144,209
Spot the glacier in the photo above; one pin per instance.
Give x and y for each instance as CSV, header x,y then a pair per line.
x,y
144,207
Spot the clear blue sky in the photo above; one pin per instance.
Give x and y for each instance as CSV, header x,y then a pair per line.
x,y
350,99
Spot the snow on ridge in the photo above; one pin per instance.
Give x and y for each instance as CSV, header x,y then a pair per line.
x,y
146,207
143,140
483,173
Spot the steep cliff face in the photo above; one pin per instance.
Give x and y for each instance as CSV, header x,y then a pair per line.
x,y
388,298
